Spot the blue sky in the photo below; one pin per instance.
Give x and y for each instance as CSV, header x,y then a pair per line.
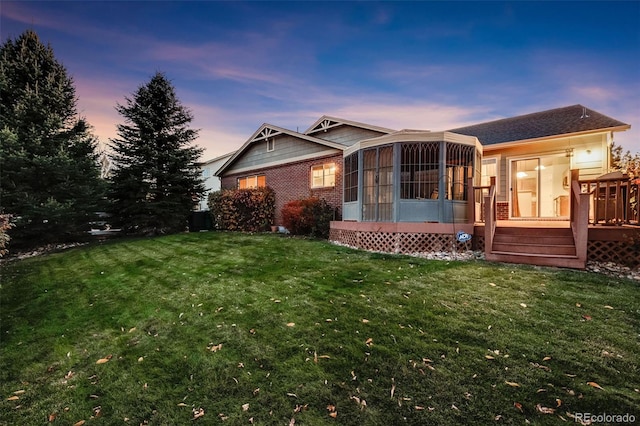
x,y
421,65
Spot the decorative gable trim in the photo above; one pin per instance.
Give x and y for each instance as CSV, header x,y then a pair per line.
x,y
268,131
326,122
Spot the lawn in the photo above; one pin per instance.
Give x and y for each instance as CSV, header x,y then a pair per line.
x,y
237,329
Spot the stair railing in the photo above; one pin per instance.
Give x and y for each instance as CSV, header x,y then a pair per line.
x,y
490,208
579,216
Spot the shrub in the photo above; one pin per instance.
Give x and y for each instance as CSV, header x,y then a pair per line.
x,y
5,225
248,210
308,216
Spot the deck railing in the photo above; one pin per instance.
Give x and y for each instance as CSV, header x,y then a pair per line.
x,y
475,203
613,200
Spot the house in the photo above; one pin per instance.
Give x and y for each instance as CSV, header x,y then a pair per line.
x,y
211,181
414,190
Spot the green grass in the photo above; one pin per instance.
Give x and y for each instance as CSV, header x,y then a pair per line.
x,y
305,325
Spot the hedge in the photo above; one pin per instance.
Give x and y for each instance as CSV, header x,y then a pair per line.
x,y
247,210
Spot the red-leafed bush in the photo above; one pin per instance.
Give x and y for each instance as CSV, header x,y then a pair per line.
x,y
308,216
248,210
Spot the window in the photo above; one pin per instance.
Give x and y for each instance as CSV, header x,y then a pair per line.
x,y
419,170
459,163
351,178
323,175
252,182
205,173
489,170
271,144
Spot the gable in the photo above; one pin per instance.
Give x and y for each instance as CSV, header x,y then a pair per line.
x,y
344,132
271,146
555,122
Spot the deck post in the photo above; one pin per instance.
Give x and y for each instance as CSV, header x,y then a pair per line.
x,y
579,216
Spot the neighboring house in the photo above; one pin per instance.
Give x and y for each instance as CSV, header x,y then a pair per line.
x,y
409,190
211,181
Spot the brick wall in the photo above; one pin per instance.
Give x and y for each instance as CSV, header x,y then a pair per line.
x,y
293,181
502,212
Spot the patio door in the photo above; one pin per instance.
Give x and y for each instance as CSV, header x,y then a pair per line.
x,y
377,168
538,187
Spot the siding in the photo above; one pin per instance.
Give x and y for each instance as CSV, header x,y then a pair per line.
x,y
293,181
286,148
346,135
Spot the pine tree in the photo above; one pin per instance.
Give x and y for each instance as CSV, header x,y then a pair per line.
x,y
49,178
155,181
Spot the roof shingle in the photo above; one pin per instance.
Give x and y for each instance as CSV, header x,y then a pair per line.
x,y
558,121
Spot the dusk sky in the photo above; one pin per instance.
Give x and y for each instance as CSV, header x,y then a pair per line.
x,y
419,65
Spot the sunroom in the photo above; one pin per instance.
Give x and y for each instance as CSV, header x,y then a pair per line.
x,y
410,176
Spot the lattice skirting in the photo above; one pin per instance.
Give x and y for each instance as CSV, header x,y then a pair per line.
x,y
398,242
620,252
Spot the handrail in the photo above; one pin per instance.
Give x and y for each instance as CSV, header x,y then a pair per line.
x,y
471,207
579,216
614,200
490,207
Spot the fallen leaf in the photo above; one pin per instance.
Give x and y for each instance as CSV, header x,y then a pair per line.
x,y
291,324
19,392
104,360
558,402
13,398
214,348
595,385
498,417
419,408
333,414
79,423
513,384
608,307
489,357
492,284
586,317
131,330
578,305
141,359
52,417
182,404
453,407
245,407
544,410
518,406
292,421
369,341
524,305
197,413
546,358
365,321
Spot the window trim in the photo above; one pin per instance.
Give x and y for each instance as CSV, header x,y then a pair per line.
x,y
324,166
271,144
256,179
495,158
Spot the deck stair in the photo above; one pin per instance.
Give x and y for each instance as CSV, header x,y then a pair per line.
x,y
535,246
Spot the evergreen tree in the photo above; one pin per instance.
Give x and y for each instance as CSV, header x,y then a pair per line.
x,y
155,181
49,178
